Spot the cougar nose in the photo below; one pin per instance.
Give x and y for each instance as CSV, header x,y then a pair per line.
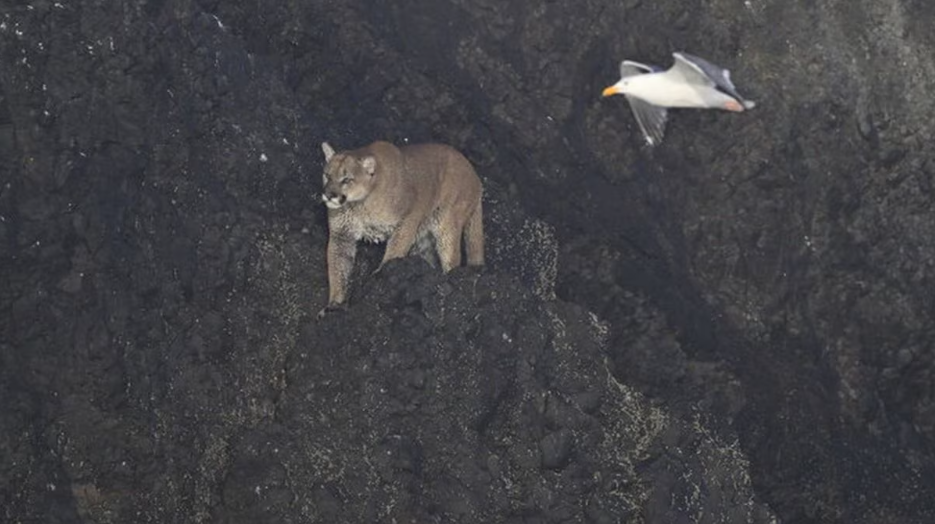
x,y
331,196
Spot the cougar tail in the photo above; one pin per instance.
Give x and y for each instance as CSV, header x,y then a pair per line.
x,y
474,236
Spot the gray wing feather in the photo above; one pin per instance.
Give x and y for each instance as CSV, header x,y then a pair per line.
x,y
690,72
714,75
652,119
630,68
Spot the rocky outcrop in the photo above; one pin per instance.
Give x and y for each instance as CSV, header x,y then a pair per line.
x,y
467,399
733,327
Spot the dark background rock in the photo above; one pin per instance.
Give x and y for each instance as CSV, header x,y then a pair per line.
x,y
743,326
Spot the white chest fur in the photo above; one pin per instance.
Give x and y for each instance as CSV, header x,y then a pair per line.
x,y
360,224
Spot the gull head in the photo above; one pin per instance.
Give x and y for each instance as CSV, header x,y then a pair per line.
x,y
620,88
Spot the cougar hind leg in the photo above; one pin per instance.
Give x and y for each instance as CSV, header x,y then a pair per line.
x,y
474,236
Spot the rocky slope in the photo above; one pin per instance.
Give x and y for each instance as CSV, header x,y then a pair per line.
x,y
733,327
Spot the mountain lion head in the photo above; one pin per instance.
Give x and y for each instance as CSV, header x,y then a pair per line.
x,y
346,178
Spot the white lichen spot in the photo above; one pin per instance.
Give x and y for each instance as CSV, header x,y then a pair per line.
x,y
59,5
18,32
285,141
3,26
600,328
263,157
50,486
218,21
257,490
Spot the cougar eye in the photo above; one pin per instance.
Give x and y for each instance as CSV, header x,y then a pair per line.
x,y
345,181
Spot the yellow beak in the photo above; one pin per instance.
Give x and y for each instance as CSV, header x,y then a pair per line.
x,y
612,90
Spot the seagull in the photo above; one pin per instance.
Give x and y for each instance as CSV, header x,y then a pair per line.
x,y
690,82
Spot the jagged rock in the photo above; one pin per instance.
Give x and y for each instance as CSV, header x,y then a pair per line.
x,y
417,405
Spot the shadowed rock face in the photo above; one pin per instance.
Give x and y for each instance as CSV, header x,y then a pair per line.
x,y
733,327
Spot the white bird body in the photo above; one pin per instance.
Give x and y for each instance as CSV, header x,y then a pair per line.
x,y
660,89
691,82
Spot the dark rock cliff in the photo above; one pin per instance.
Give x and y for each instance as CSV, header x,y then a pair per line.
x,y
733,327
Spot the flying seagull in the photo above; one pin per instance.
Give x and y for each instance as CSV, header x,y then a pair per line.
x,y
690,82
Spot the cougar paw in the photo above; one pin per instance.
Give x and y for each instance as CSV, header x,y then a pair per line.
x,y
331,308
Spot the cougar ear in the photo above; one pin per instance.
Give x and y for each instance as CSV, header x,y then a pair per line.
x,y
369,163
327,150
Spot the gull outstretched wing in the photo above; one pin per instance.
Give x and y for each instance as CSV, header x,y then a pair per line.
x,y
630,68
652,119
700,71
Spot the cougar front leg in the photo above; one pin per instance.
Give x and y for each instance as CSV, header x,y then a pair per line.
x,y
341,252
400,241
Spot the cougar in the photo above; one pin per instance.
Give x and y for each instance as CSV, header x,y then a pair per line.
x,y
401,195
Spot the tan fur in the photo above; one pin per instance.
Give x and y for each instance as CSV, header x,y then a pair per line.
x,y
399,195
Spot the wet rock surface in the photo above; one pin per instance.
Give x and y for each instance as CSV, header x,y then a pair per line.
x,y
733,327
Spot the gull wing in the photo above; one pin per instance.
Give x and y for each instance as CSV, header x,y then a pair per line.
x,y
631,68
688,71
693,68
652,119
